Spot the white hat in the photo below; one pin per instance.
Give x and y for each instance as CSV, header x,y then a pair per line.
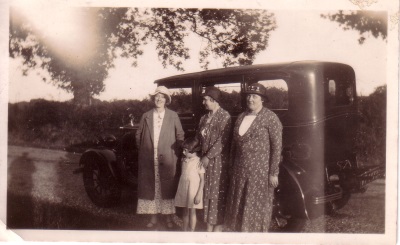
x,y
163,90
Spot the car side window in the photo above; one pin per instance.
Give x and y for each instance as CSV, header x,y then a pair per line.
x,y
230,97
181,100
277,94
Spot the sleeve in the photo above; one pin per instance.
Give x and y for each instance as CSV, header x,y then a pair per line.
x,y
275,137
200,170
197,135
179,133
138,134
233,145
222,139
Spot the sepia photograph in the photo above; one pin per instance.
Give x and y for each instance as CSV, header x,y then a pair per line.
x,y
207,122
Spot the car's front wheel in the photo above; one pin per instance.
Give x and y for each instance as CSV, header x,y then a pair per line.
x,y
101,186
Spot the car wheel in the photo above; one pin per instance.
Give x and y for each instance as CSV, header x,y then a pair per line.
x,y
101,187
338,204
290,224
342,201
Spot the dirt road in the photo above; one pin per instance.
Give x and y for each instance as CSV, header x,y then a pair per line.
x,y
43,193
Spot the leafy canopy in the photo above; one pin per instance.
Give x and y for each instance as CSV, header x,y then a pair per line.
x,y
235,36
365,22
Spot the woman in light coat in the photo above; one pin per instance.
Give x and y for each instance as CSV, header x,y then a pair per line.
x,y
158,139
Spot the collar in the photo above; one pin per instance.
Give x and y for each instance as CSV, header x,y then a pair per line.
x,y
253,113
159,115
211,114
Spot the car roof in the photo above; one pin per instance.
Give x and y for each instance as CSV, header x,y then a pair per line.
x,y
281,68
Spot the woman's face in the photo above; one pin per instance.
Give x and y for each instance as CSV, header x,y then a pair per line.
x,y
209,103
160,100
254,102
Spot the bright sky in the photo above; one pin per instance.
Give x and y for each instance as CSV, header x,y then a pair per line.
x,y
301,35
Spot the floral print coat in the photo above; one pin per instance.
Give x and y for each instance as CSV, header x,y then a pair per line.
x,y
255,156
214,139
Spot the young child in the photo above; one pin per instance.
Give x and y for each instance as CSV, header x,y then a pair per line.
x,y
190,189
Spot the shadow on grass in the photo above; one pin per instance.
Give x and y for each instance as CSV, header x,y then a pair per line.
x,y
25,212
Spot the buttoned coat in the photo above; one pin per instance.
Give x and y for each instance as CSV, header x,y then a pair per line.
x,y
171,137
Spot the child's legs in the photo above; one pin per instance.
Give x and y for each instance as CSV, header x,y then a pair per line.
x,y
185,219
193,219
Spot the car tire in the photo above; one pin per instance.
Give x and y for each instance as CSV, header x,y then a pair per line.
x,y
290,224
101,186
294,224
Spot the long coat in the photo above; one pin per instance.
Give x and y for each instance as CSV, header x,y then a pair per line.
x,y
215,146
256,156
171,137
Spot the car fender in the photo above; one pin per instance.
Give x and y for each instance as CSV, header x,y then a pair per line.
x,y
292,191
107,158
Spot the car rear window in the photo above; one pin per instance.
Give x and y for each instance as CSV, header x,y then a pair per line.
x,y
339,93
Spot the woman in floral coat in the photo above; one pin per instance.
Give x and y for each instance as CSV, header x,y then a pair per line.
x,y
213,133
255,157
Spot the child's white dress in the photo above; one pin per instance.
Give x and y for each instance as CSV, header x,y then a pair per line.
x,y
189,184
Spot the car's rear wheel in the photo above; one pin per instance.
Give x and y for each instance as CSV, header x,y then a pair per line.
x,y
101,186
290,223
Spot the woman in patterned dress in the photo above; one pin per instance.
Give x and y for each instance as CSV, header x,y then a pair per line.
x,y
158,139
213,133
255,156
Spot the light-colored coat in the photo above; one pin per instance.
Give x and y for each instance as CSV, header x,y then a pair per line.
x,y
171,137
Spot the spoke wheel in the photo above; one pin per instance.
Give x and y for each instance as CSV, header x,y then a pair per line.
x,y
102,188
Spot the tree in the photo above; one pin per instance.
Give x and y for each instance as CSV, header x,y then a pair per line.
x,y
365,22
83,77
236,36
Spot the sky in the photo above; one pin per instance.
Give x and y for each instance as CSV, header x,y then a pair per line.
x,y
300,35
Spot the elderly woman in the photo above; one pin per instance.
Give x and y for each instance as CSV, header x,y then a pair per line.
x,y
255,157
213,133
158,138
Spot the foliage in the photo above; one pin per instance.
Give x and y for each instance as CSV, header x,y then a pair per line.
x,y
365,22
60,124
82,76
181,102
236,36
371,135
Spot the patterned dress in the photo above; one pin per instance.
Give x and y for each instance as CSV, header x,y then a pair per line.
x,y
256,156
158,205
214,133
189,184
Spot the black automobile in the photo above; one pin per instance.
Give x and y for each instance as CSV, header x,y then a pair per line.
x,y
317,105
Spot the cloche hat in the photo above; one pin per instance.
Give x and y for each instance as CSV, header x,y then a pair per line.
x,y
213,92
163,90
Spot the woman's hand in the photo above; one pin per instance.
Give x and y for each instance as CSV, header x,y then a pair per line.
x,y
273,181
204,162
197,199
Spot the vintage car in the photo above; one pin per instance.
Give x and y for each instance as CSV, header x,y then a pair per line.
x,y
317,105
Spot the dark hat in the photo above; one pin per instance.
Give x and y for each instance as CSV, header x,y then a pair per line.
x,y
256,88
213,92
